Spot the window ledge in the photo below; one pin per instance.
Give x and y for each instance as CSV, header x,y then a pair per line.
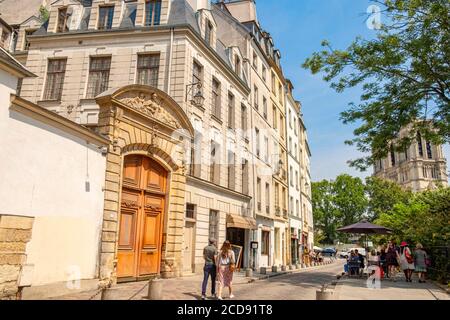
x,y
216,119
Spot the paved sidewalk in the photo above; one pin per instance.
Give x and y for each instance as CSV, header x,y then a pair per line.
x,y
357,289
184,288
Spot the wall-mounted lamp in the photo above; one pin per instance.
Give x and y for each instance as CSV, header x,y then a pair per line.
x,y
198,99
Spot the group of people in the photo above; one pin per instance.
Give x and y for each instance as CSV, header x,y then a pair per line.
x,y
219,265
390,259
355,263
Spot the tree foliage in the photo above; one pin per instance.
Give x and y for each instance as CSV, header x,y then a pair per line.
x,y
404,74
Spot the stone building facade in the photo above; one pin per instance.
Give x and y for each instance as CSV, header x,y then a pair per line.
x,y
191,98
422,166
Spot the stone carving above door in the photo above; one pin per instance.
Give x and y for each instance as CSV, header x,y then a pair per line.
x,y
152,106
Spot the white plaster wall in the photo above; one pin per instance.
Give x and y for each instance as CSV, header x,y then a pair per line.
x,y
43,174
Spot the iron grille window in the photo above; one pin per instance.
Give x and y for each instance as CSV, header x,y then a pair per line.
x,y
153,13
99,69
105,19
56,71
148,69
63,18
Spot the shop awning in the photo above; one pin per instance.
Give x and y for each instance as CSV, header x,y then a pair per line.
x,y
236,221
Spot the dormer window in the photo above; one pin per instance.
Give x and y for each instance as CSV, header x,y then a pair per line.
x,y
208,32
152,12
105,19
63,18
237,65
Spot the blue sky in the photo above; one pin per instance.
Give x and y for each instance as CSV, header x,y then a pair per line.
x,y
298,27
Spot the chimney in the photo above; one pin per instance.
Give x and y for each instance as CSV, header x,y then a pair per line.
x,y
242,10
200,4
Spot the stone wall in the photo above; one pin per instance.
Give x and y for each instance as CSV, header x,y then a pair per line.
x,y
15,233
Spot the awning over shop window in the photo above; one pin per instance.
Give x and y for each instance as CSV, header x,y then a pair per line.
x,y
236,221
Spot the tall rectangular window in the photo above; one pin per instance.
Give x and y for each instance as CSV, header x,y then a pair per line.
x,y
245,176
215,162
216,107
419,144
231,170
429,153
264,73
197,74
277,196
213,224
392,156
258,193
281,126
258,147
152,12
230,110
99,69
267,198
148,69
105,17
274,117
243,118
291,176
256,97
63,18
56,71
280,94
265,108
296,180
237,65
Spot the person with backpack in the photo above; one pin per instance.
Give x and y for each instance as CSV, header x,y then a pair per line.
x,y
209,270
406,261
226,263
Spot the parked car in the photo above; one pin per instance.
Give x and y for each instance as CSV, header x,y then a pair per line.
x,y
329,252
346,254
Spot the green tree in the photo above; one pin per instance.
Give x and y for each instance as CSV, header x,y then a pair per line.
x,y
404,75
382,196
337,203
44,14
349,198
425,219
324,212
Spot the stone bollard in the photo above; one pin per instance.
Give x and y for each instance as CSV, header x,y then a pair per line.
x,y
324,295
155,291
263,270
274,268
283,268
291,267
303,265
249,273
298,266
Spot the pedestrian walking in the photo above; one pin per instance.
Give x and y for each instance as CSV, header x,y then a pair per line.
x,y
226,263
406,261
420,262
392,260
209,270
383,263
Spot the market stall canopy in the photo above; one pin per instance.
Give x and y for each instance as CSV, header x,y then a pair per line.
x,y
365,227
236,221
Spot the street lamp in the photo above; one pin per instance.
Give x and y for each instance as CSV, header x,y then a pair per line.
x,y
198,99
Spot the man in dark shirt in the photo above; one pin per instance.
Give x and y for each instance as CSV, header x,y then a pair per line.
x,y
209,254
361,261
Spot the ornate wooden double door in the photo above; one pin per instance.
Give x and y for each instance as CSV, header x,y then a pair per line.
x,y
141,218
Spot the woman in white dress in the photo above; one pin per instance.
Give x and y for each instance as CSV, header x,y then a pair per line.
x,y
406,261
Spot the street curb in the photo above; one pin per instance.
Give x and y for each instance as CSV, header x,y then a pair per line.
x,y
290,272
441,286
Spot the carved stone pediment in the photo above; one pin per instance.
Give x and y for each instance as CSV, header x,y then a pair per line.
x,y
151,106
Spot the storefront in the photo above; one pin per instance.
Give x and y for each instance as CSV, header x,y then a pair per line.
x,y
240,233
294,246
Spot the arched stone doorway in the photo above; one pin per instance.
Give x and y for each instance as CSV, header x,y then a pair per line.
x,y
142,211
143,123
